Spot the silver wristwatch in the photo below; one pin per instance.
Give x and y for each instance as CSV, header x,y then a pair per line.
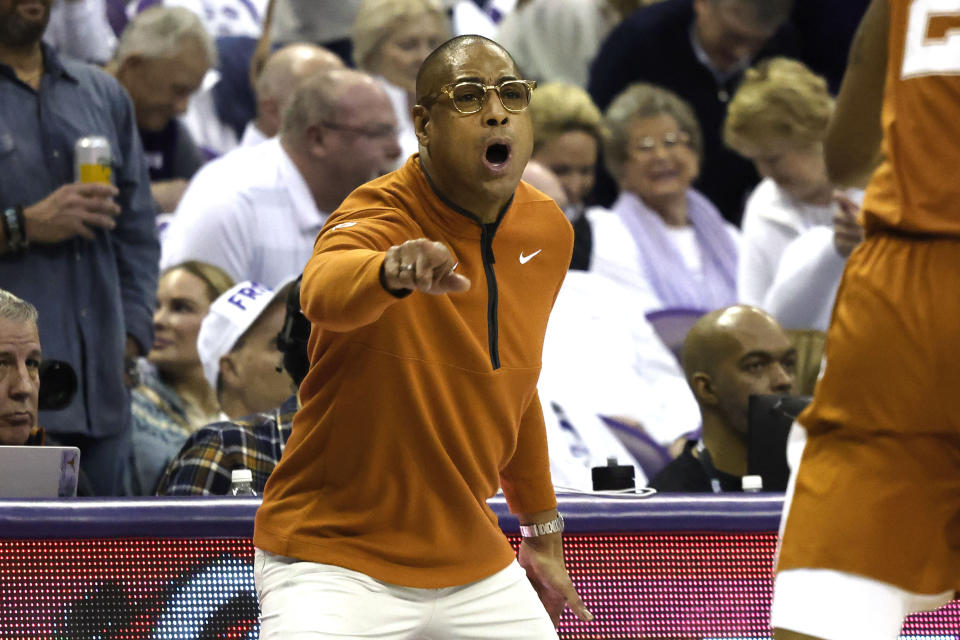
x,y
542,529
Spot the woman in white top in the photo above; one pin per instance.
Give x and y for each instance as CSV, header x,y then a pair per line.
x,y
778,118
391,39
664,240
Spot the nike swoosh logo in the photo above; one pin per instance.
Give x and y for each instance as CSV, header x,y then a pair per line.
x,y
525,259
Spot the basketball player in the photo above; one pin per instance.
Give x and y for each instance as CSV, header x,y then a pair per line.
x,y
871,533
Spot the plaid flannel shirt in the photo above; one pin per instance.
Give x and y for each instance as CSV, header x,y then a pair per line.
x,y
205,462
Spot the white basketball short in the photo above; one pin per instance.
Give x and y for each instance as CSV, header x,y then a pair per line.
x,y
309,601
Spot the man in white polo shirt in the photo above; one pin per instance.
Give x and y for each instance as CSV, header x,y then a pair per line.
x,y
256,211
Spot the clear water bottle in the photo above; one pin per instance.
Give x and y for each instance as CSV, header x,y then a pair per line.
x,y
241,483
751,484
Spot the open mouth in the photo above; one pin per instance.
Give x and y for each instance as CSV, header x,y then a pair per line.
x,y
659,177
497,154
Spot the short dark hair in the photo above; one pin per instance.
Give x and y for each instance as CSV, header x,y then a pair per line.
x,y
767,12
440,55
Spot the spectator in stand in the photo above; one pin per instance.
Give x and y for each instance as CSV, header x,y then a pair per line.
x,y
214,118
698,49
556,40
826,29
79,29
256,212
808,277
20,357
88,262
221,18
540,177
778,119
161,59
254,442
237,344
323,22
173,398
285,70
662,239
391,38
567,133
729,355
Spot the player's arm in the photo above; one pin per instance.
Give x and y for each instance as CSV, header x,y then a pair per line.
x,y
852,146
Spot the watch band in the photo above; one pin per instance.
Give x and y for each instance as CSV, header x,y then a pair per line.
x,y
543,528
14,226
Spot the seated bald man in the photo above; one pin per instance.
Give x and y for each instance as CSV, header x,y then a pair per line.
x,y
728,355
420,400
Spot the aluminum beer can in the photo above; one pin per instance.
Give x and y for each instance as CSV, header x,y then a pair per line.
x,y
93,160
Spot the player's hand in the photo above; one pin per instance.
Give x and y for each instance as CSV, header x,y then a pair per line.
x,y
542,559
847,233
72,210
423,265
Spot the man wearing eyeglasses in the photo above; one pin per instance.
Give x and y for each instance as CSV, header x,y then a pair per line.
x,y
428,293
256,211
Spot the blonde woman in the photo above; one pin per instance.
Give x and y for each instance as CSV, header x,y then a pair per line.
x,y
173,398
567,133
778,119
391,39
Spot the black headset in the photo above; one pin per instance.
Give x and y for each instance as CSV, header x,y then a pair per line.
x,y
292,339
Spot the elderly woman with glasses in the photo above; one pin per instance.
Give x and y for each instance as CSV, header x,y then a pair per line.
x,y
662,239
391,39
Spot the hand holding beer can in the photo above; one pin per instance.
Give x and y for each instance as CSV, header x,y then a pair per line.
x,y
93,160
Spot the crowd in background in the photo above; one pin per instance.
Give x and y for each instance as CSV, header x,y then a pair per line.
x,y
683,139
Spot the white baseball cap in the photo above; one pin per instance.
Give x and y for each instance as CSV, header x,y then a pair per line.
x,y
228,319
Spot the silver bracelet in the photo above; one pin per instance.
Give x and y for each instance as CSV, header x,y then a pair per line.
x,y
543,528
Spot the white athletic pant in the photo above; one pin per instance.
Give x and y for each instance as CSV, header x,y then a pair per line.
x,y
310,601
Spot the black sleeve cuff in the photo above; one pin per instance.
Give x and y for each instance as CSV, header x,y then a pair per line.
x,y
398,293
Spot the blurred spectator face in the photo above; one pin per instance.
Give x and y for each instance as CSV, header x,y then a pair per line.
x,y
399,56
572,157
19,380
763,361
801,172
22,22
363,137
730,32
660,164
182,303
540,177
251,367
161,87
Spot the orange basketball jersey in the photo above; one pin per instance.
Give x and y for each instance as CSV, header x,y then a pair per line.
x,y
917,187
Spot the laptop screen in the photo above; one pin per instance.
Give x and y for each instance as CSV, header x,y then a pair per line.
x,y
38,472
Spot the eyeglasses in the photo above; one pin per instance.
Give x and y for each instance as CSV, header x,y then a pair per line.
x,y
385,131
469,97
672,140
